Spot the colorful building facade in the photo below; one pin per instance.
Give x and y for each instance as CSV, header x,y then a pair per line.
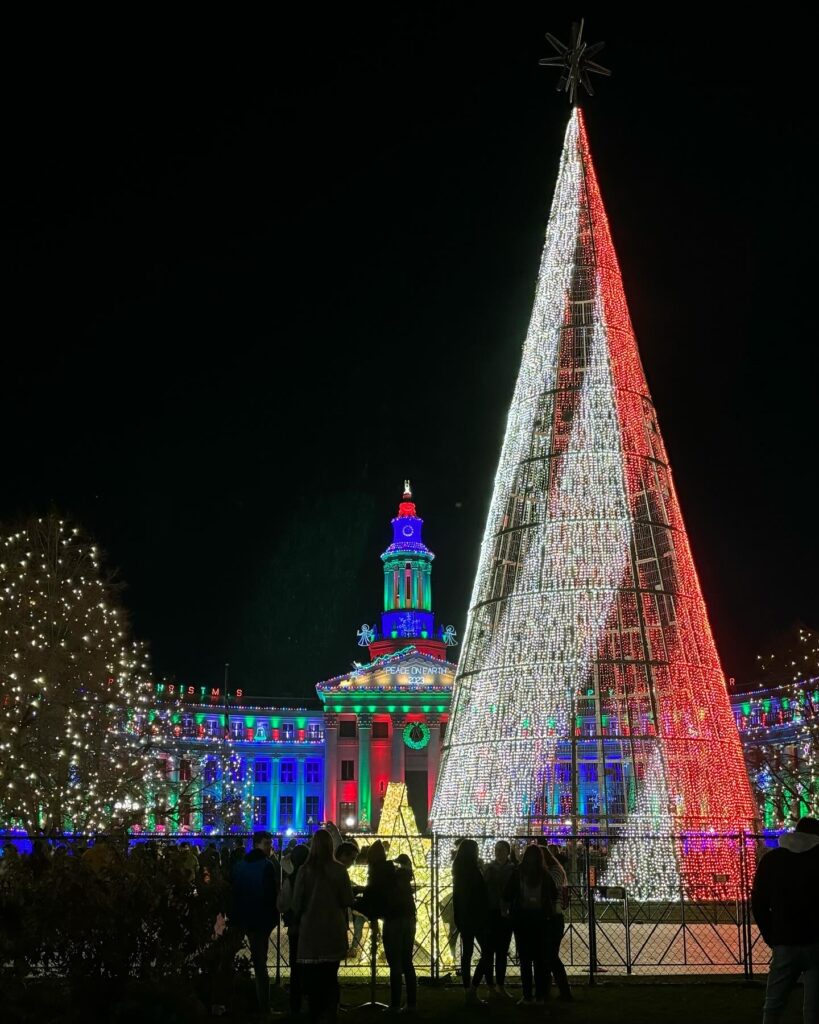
x,y
238,763
235,763
779,727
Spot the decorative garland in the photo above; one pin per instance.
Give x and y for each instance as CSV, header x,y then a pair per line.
x,y
416,735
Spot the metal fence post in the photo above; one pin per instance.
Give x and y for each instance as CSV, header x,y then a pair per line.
x,y
590,914
745,904
627,923
279,919
433,907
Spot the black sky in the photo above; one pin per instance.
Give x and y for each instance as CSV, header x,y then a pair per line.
x,y
252,287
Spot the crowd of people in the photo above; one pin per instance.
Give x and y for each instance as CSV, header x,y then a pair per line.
x,y
324,914
494,902
307,888
520,894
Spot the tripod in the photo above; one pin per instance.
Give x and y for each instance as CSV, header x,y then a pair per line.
x,y
372,1003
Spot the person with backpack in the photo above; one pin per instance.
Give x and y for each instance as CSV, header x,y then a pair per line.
x,y
471,911
321,898
296,860
255,882
531,895
399,932
371,900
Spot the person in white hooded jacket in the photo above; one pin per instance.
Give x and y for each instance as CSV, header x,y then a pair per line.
x,y
785,903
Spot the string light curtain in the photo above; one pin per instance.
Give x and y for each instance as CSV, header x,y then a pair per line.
x,y
589,695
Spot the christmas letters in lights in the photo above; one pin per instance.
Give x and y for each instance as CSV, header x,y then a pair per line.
x,y
589,696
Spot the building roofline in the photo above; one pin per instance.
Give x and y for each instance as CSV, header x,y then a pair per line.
x,y
382,661
251,704
751,694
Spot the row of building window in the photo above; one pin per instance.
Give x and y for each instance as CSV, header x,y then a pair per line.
x,y
312,810
261,771
261,730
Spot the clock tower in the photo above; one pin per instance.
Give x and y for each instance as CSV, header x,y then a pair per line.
x,y
385,721
407,616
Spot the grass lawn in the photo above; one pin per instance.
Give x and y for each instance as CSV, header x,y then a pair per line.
x,y
728,1001
635,1003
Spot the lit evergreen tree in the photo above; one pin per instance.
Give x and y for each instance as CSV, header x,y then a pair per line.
x,y
68,676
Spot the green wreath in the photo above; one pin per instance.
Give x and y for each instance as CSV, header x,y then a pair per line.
x,y
416,735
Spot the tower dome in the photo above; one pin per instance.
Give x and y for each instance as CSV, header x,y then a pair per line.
x,y
407,617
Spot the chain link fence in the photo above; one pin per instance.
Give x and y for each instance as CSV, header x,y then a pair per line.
x,y
700,926
704,927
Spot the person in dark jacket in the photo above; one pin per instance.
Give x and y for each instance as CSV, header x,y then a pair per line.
x,y
531,895
255,890
497,875
557,923
373,900
399,933
210,858
235,857
785,903
471,906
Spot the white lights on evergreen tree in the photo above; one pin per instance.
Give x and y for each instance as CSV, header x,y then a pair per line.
x,y
68,679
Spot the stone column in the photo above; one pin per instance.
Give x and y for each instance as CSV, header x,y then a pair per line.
x,y
433,755
299,817
365,799
331,768
197,791
249,787
397,750
274,794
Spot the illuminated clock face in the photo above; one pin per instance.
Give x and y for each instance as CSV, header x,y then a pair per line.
x,y
407,530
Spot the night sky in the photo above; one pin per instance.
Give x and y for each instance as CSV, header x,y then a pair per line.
x,y
255,284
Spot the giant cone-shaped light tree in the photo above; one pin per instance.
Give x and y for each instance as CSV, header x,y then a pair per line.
x,y
589,695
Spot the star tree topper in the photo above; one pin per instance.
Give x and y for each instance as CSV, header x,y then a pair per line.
x,y
576,62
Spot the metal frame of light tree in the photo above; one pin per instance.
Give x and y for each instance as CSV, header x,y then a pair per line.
x,y
589,694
